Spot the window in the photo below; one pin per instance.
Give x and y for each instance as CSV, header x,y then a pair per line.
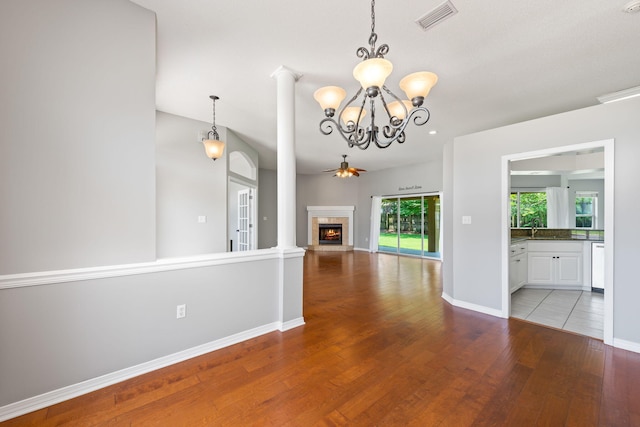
x,y
529,208
586,203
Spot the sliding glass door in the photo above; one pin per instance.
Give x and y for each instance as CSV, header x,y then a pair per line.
x,y
410,225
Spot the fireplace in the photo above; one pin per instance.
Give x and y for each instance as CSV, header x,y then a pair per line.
x,y
330,228
330,234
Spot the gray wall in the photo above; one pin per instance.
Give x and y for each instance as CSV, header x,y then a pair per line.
x,y
189,185
412,179
268,208
322,190
69,333
473,179
76,135
326,190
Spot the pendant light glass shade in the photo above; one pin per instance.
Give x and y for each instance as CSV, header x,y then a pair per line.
x,y
396,110
351,114
418,84
330,97
213,148
372,72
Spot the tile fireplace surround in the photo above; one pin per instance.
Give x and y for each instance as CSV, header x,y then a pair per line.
x,y
330,215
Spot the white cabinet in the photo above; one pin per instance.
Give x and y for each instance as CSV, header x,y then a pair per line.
x,y
517,266
556,264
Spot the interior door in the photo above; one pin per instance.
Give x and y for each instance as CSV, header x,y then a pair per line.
x,y
245,198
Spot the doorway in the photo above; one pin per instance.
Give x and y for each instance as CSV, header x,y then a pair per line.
x,y
242,212
410,225
507,220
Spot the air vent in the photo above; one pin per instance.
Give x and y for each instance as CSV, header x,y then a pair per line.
x,y
437,15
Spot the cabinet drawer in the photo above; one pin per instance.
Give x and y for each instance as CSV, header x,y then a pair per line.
x,y
518,249
554,246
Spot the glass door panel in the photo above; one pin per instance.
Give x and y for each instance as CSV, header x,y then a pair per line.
x,y
410,230
431,209
388,239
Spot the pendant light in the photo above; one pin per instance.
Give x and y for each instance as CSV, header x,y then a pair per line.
x,y
213,147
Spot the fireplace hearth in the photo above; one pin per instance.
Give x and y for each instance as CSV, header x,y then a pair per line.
x,y
330,234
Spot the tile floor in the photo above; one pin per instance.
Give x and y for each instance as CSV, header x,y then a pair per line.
x,y
576,311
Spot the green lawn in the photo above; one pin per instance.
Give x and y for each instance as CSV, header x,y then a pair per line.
x,y
407,241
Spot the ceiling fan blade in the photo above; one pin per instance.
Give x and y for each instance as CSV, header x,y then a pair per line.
x,y
355,173
331,170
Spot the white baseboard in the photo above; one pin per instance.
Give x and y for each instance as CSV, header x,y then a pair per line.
x,y
290,324
626,345
470,306
31,404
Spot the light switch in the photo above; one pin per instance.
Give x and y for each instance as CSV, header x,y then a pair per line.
x,y
466,219
202,219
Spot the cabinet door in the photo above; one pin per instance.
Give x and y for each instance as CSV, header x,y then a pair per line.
x,y
517,272
513,274
540,268
569,269
522,270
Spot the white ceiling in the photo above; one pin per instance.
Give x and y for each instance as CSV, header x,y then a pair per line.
x,y
499,62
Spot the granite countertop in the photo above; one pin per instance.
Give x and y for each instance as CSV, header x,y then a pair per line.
x,y
574,239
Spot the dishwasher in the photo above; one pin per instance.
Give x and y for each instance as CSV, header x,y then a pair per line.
x,y
597,267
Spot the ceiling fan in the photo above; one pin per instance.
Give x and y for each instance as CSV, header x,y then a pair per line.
x,y
344,171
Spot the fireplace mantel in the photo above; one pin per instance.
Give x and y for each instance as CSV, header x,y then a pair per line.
x,y
332,215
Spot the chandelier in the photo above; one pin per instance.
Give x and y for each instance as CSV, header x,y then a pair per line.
x,y
372,73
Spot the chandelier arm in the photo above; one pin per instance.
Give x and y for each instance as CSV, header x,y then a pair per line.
x,y
353,137
353,98
386,89
419,116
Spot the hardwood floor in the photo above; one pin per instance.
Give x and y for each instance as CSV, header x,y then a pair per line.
x,y
380,347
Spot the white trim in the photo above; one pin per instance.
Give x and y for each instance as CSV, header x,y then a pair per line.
x,y
330,208
166,264
626,345
609,235
31,404
608,146
473,307
290,324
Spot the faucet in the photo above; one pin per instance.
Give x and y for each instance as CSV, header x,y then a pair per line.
x,y
534,227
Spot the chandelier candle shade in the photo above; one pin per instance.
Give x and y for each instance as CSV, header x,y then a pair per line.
x,y
212,145
372,73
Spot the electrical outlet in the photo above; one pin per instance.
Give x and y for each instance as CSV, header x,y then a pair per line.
x,y
181,311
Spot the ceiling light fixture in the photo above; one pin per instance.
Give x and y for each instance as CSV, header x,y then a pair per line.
x,y
620,95
344,171
372,73
212,145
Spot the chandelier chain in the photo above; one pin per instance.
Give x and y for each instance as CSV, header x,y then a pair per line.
x,y
213,127
373,17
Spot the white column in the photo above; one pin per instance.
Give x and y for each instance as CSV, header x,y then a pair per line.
x,y
286,151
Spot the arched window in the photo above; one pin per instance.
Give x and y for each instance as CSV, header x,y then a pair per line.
x,y
241,164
